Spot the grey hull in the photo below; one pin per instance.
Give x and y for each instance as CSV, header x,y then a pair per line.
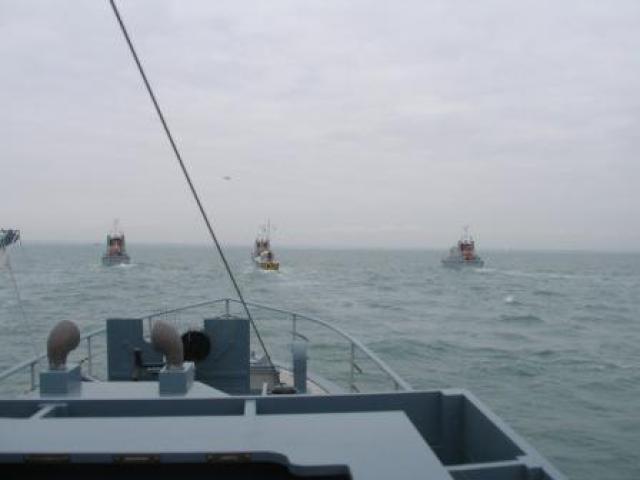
x,y
110,260
459,263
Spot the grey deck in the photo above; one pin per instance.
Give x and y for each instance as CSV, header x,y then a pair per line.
x,y
217,426
371,444
435,435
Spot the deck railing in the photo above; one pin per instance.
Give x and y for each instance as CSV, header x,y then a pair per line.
x,y
34,363
356,351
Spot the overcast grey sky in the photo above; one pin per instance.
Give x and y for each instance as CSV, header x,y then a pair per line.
x,y
373,123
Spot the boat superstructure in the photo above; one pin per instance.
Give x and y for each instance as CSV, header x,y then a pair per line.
x,y
262,254
463,254
228,414
116,253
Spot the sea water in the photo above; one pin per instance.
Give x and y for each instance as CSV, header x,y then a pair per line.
x,y
550,341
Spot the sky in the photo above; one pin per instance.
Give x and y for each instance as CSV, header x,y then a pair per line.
x,y
346,123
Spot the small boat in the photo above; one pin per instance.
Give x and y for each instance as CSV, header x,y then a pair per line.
x,y
464,253
116,253
262,254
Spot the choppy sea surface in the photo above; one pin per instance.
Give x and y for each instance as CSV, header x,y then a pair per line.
x,y
549,341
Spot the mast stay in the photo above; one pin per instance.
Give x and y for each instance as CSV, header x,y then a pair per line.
x,y
187,177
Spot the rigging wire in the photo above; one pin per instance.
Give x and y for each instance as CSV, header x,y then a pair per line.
x,y
187,177
5,261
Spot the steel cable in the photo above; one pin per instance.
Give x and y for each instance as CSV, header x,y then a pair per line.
x,y
188,178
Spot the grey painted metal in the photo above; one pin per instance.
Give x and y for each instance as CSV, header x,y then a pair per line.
x,y
322,383
32,372
61,381
32,362
122,391
445,434
176,381
227,366
89,357
398,382
125,340
352,367
294,327
420,434
152,356
299,352
352,444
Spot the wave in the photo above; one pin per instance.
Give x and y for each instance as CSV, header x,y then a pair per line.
x,y
533,274
479,288
411,346
544,352
602,307
523,319
383,306
484,270
510,300
126,265
546,293
511,336
519,369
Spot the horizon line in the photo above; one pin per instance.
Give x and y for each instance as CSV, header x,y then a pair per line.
x,y
346,247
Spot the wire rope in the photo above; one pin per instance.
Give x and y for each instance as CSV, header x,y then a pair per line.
x,y
187,177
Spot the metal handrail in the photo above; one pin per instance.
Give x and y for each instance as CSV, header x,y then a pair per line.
x,y
33,361
398,382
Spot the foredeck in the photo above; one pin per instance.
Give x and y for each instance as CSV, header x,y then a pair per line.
x,y
355,368
223,426
435,435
